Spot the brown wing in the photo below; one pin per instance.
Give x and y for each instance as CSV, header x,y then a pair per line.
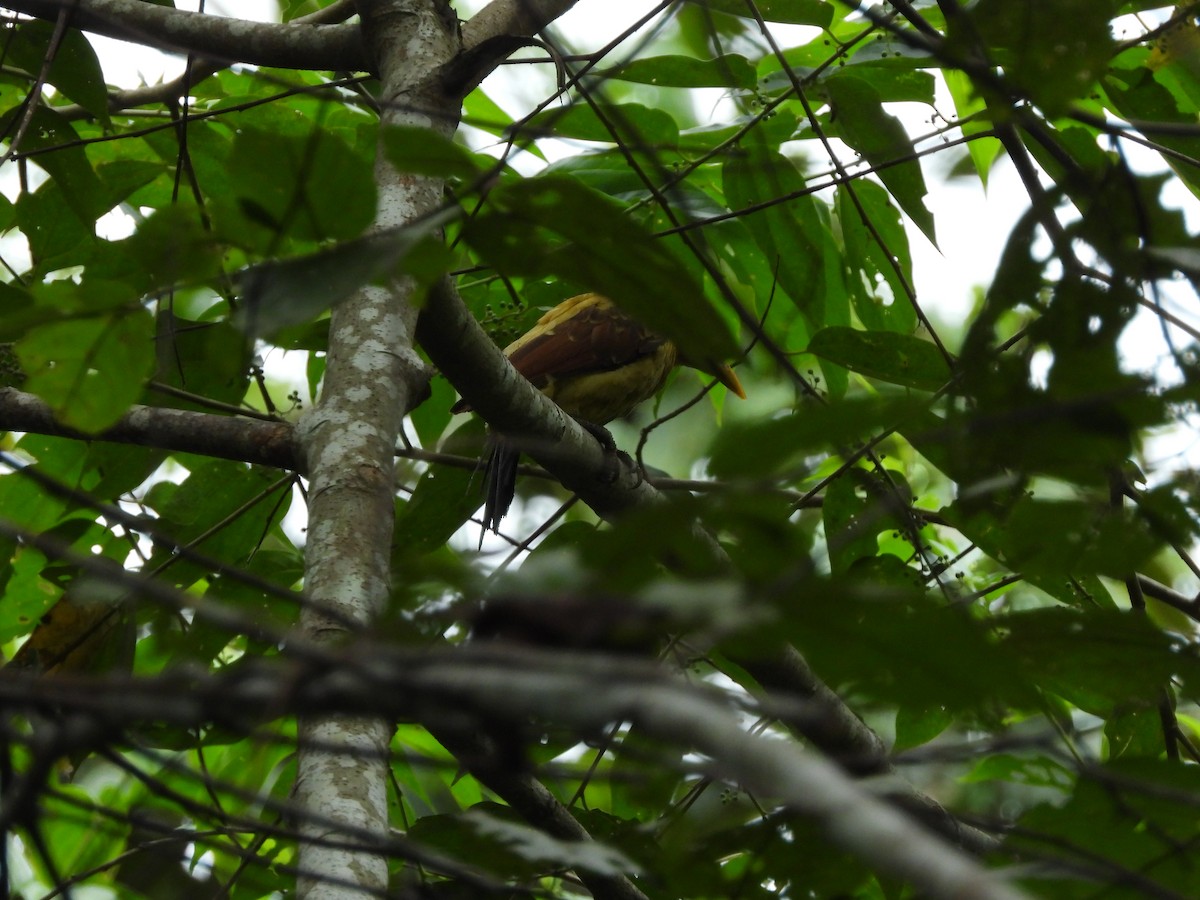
x,y
587,333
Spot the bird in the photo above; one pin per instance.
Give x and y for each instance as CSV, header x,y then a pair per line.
x,y
597,363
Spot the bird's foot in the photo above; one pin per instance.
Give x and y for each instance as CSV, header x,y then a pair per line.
x,y
614,457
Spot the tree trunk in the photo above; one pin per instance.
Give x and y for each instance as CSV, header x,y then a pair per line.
x,y
372,374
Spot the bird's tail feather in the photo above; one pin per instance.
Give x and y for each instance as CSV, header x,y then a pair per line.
x,y
499,480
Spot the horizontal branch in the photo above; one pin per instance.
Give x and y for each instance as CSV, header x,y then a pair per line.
x,y
286,46
226,437
517,18
304,43
582,691
493,34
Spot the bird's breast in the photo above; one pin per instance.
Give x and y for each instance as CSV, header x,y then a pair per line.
x,y
601,396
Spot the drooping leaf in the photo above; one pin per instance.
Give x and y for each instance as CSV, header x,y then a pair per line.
x,y
787,228
1053,50
74,68
876,249
880,137
280,294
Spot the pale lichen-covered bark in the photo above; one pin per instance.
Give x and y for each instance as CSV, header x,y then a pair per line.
x,y
373,372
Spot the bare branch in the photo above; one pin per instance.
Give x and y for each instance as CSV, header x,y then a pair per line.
x,y
512,18
200,70
227,437
586,692
492,34
286,46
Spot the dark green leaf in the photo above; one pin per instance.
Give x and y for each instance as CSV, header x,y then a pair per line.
x,y
423,151
1051,543
89,370
280,294
631,124
758,449
1053,50
312,185
896,358
853,519
794,12
169,248
1137,814
229,504
74,70
788,229
920,725
868,259
61,155
210,359
442,501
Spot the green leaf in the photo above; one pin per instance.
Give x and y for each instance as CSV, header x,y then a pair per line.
x,y
492,822
1137,815
280,294
631,124
790,231
729,70
423,151
1087,540
210,359
28,504
311,185
123,177
60,154
793,12
919,725
1098,660
898,646
758,449
1052,50
852,520
1136,94
868,260
89,370
75,69
897,358
20,312
892,85
203,506
969,106
442,501
861,120
27,595
170,247
555,225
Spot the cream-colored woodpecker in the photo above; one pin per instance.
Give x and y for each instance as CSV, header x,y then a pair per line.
x,y
597,363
